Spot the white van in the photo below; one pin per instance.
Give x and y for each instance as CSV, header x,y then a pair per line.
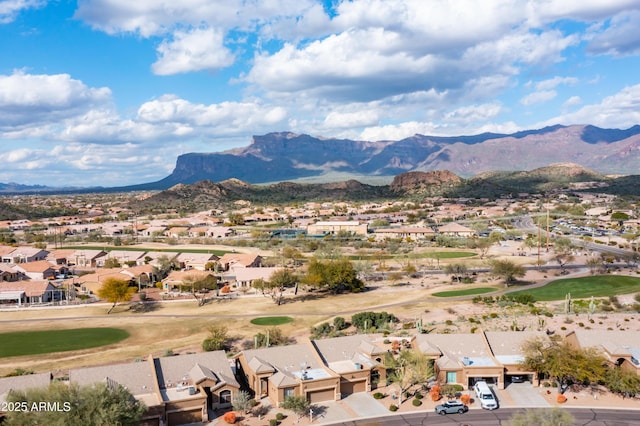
x,y
485,395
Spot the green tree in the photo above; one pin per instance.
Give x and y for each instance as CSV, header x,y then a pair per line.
x,y
96,405
564,364
197,283
411,368
336,276
298,404
457,270
163,266
241,401
112,262
115,291
273,337
563,251
622,382
507,270
542,417
217,339
281,280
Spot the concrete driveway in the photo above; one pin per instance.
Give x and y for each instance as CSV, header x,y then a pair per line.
x,y
523,395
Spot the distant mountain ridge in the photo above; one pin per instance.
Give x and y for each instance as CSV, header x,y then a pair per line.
x,y
287,156
562,177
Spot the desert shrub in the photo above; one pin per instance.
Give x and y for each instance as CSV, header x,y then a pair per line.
x,y
393,407
561,398
273,422
378,395
416,402
280,417
465,399
418,395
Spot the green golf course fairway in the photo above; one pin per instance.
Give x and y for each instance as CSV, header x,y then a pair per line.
x,y
49,341
583,287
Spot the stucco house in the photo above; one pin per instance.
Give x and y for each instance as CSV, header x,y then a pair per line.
x,y
461,358
293,370
620,348
356,359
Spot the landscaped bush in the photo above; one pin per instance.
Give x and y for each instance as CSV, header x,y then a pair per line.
x,y
561,399
465,399
280,416
393,407
273,422
378,395
416,402
418,395
229,417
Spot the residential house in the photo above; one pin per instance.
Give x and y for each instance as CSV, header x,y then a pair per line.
x,y
60,257
25,254
195,260
138,378
153,231
20,292
40,270
87,258
408,233
231,261
506,347
142,275
177,232
461,358
335,227
357,359
456,230
124,257
192,384
244,277
92,283
294,370
620,348
20,383
8,273
177,279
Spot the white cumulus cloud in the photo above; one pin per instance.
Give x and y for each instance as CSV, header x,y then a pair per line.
x,y
195,50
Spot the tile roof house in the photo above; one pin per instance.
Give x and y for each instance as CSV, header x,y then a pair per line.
x,y
357,359
456,230
244,277
40,270
195,260
621,348
137,377
293,370
20,383
25,254
191,384
87,258
461,358
240,260
20,292
506,347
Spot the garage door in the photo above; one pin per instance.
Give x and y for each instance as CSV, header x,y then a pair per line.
x,y
347,388
321,395
184,417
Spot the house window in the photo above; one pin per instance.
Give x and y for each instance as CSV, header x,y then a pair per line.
x,y
451,377
225,397
289,392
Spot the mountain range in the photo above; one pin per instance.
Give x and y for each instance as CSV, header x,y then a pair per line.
x,y
285,156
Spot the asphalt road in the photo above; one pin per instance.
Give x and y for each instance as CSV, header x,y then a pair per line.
x,y
583,417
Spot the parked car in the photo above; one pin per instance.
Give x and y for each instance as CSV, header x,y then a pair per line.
x,y
518,379
451,407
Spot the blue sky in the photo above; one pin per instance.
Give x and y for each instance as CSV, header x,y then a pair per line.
x,y
110,92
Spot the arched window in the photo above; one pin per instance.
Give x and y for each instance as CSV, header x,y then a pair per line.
x,y
225,397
